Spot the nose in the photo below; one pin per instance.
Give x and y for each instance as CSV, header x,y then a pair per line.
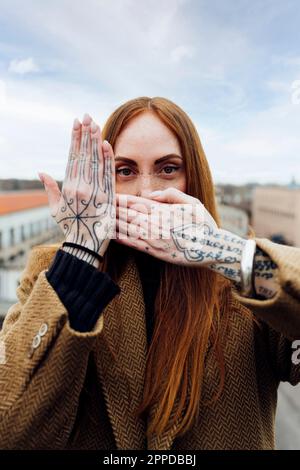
x,y
145,186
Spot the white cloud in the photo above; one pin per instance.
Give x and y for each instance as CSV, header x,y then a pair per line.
x,y
265,147
23,66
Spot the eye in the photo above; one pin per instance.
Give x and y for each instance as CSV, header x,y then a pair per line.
x,y
170,169
124,171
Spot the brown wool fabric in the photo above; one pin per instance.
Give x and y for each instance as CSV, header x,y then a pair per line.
x,y
69,393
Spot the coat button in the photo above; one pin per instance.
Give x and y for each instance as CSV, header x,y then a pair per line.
x,y
43,329
36,341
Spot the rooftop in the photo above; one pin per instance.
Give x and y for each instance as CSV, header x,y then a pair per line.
x,y
15,201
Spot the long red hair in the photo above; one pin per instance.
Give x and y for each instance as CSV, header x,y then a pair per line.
x,y
192,304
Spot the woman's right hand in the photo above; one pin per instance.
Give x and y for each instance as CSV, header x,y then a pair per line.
x,y
85,208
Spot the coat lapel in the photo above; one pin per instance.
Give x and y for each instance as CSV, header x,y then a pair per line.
x,y
120,355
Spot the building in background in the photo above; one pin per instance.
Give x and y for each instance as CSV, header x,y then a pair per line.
x,y
236,196
234,220
276,214
25,221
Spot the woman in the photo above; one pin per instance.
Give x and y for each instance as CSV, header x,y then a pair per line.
x,y
145,329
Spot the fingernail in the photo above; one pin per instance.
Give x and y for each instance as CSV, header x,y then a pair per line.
x,y
41,177
105,145
86,117
76,124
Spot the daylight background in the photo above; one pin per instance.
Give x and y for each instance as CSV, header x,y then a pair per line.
x,y
230,64
233,66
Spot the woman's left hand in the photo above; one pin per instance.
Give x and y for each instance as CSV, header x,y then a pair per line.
x,y
176,228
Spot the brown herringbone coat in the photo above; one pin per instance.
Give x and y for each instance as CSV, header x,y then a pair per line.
x,y
69,393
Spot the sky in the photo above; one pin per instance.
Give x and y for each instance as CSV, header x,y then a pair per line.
x,y
233,66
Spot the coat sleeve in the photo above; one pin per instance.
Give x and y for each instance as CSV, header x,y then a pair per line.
x,y
43,363
280,315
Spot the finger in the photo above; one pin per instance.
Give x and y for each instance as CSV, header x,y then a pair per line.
x,y
134,230
109,181
152,226
173,195
97,158
181,206
128,200
131,215
85,150
157,225
160,221
140,228
53,192
74,150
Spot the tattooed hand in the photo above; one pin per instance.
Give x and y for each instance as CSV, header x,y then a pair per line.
x,y
177,228
85,208
173,229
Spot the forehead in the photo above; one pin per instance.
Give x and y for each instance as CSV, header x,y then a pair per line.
x,y
147,134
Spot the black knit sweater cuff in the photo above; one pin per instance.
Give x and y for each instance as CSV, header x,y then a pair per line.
x,y
83,290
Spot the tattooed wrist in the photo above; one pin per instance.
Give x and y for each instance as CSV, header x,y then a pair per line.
x,y
265,275
263,266
217,249
201,243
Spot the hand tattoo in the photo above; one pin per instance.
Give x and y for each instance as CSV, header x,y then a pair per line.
x,y
86,209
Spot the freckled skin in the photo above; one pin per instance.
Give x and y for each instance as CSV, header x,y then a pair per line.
x,y
144,140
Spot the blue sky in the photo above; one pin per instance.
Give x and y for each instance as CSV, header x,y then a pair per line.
x,y
230,64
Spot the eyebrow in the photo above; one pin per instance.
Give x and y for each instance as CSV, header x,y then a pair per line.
x,y
159,160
